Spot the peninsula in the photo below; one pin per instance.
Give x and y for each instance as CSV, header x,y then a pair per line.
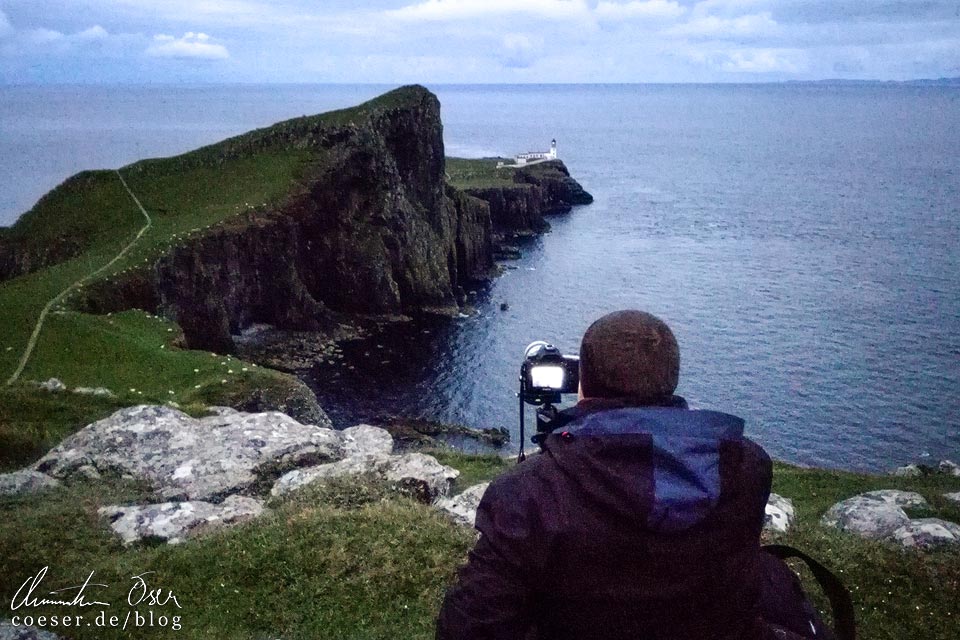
x,y
131,285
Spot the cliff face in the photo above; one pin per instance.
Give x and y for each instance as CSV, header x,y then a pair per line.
x,y
372,229
537,191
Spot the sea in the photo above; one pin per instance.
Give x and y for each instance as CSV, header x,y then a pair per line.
x,y
802,240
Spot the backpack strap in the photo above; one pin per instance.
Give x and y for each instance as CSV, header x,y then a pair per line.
x,y
840,602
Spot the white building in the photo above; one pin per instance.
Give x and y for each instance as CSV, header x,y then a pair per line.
x,y
537,156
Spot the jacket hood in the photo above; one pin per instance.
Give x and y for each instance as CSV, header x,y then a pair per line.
x,y
657,466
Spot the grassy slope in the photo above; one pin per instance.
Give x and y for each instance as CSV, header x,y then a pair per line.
x,y
466,173
184,195
352,560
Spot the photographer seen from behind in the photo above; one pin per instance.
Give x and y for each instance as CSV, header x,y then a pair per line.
x,y
640,519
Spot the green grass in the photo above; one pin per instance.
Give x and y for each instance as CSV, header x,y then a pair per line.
x,y
897,594
354,559
466,173
131,353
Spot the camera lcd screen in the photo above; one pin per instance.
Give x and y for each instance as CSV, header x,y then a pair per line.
x,y
547,377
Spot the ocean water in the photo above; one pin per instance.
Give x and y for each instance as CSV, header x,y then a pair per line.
x,y
803,241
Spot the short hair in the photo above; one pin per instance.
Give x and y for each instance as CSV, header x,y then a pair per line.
x,y
629,354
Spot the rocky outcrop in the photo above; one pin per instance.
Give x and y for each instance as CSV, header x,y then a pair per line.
x,y
25,481
371,228
416,474
927,533
539,190
880,515
185,458
217,471
174,522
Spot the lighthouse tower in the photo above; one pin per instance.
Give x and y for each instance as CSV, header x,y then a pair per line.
x,y
553,149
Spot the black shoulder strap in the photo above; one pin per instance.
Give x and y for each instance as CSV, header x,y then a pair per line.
x,y
843,617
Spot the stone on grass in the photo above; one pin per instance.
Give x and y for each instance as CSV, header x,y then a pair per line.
x,y
184,458
418,473
907,499
173,522
949,467
364,439
355,465
927,533
463,507
97,392
25,481
779,514
907,471
53,385
421,474
953,497
867,516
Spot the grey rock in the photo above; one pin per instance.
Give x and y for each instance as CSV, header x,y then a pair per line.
x,y
355,465
10,632
926,533
174,522
463,507
184,458
98,392
53,385
953,497
363,440
907,471
949,467
418,473
25,481
779,514
900,498
867,516
421,474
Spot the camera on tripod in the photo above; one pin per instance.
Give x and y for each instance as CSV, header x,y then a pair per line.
x,y
545,376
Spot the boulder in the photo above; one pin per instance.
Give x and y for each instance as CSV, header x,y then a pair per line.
x,y
364,439
867,516
184,458
356,465
908,499
953,497
463,507
779,514
53,385
173,522
417,473
907,471
97,392
25,481
949,467
927,533
10,632
422,475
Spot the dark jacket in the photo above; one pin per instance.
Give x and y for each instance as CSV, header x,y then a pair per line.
x,y
634,522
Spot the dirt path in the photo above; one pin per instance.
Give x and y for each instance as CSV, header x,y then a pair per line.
x,y
25,358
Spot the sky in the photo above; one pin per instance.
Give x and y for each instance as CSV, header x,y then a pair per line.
x,y
475,41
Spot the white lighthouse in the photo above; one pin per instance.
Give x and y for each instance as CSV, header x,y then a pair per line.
x,y
537,156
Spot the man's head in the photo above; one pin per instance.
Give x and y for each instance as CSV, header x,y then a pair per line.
x,y
629,354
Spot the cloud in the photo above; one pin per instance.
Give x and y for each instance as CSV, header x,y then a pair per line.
x,y
614,11
521,50
759,24
191,45
5,27
444,10
761,61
